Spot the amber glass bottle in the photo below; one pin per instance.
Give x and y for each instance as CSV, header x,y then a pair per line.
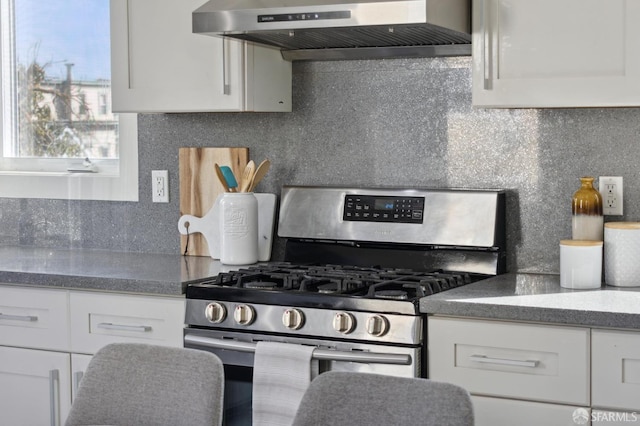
x,y
587,219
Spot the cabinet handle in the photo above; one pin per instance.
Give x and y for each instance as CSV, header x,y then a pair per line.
x,y
54,397
486,46
111,326
77,376
226,88
500,361
28,318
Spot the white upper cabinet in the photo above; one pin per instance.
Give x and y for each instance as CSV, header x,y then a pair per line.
x,y
159,65
556,53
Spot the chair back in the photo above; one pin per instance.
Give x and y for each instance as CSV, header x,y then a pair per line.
x,y
148,385
364,399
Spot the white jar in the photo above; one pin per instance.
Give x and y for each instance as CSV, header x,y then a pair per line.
x,y
621,254
238,228
580,264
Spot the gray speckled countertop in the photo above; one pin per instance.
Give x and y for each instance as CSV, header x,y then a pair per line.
x,y
539,298
163,274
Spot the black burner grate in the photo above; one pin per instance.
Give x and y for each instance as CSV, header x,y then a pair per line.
x,y
365,282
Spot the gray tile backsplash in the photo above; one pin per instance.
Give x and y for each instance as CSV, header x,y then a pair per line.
x,y
387,122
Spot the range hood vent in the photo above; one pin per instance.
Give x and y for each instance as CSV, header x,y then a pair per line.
x,y
330,30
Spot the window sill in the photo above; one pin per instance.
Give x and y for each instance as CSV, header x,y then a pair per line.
x,y
105,186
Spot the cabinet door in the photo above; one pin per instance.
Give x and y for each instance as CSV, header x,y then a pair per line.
x,y
34,387
79,365
159,65
509,412
616,369
556,53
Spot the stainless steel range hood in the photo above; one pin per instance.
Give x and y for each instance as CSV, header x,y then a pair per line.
x,y
348,29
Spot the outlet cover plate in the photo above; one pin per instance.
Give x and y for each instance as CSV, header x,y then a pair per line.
x,y
160,186
610,188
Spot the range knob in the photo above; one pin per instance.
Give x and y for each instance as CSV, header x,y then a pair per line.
x,y
377,325
215,312
344,322
293,318
244,314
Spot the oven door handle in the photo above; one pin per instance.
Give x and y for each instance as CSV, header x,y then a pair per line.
x,y
321,354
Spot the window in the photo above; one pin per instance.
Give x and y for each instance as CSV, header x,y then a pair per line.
x,y
58,136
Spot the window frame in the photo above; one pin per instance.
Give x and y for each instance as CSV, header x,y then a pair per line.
x,y
114,180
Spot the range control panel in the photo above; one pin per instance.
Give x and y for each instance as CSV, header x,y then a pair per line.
x,y
313,16
368,208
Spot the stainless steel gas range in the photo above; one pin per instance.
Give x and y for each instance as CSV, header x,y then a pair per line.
x,y
357,262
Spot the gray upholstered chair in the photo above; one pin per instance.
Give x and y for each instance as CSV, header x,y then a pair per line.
x,y
363,399
148,385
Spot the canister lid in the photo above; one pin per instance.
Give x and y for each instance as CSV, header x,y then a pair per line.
x,y
622,225
580,243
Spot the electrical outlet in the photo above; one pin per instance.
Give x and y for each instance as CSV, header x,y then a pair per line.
x,y
611,191
160,186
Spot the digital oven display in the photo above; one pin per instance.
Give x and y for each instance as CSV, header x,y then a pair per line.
x,y
367,208
383,204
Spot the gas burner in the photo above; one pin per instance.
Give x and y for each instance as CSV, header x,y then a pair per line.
x,y
261,285
328,288
391,294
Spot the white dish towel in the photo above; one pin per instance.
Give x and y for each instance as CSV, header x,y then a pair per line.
x,y
281,374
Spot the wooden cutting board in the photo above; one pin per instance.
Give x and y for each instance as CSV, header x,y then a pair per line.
x,y
199,186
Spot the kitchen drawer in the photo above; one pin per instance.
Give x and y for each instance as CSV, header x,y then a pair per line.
x,y
34,318
616,369
513,360
509,412
98,319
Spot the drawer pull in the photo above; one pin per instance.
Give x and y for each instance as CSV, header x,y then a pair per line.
x,y
28,318
111,326
500,361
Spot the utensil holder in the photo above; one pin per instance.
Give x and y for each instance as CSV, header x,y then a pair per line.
x,y
238,228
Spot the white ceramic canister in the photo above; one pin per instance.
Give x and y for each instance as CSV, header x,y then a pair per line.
x,y
580,264
238,228
622,254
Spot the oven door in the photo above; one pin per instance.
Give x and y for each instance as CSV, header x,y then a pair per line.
x,y
236,350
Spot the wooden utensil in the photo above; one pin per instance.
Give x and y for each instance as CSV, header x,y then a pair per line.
x,y
261,171
247,175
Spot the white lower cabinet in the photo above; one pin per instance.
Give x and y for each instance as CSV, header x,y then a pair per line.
x,y
501,411
35,387
534,374
34,317
616,370
517,373
48,336
99,319
79,365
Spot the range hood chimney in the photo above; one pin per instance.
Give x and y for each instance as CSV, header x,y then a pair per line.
x,y
350,29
